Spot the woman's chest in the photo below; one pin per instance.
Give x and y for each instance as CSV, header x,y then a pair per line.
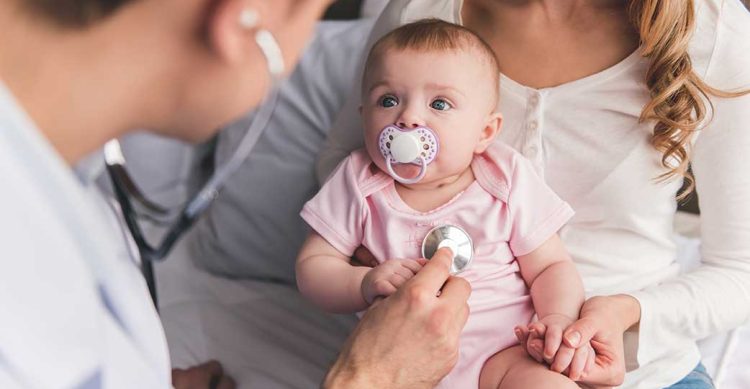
x,y
543,47
588,143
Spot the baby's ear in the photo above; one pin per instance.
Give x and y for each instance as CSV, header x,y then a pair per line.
x,y
489,133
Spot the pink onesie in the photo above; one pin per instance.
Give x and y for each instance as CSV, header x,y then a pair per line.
x,y
508,211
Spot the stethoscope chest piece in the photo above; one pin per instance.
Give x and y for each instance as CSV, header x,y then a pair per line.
x,y
453,237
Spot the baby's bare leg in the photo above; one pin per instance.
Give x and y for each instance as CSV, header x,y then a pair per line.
x,y
512,368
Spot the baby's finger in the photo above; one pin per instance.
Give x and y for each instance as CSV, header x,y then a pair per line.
x,y
535,347
578,363
383,288
562,359
412,265
405,272
537,329
522,334
552,341
397,279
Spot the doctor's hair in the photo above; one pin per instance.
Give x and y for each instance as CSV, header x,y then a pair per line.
x,y
430,35
74,13
680,99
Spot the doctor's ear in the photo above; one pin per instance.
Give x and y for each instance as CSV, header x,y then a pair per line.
x,y
489,132
230,28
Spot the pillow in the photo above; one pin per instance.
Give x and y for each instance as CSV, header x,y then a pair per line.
x,y
253,230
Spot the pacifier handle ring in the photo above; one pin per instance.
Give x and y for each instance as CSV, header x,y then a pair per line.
x,y
407,181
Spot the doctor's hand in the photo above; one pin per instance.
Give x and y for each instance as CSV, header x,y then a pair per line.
x,y
209,375
384,279
410,339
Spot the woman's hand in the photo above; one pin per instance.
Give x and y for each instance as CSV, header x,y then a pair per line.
x,y
410,339
603,322
385,279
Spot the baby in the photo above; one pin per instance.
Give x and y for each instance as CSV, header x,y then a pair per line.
x,y
429,98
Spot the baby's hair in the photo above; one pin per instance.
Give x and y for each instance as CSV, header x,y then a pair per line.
x,y
435,35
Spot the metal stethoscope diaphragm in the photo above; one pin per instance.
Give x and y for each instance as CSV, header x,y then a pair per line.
x,y
456,239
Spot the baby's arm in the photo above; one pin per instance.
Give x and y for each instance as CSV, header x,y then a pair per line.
x,y
556,291
325,276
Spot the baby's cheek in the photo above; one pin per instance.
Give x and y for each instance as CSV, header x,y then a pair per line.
x,y
455,156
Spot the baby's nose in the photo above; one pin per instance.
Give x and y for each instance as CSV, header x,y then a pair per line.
x,y
409,123
409,119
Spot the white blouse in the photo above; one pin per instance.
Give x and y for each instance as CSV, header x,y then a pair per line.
x,y
585,139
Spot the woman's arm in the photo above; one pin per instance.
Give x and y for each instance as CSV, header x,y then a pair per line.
x,y
325,276
715,296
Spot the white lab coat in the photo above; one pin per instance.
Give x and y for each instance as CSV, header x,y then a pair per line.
x,y
74,309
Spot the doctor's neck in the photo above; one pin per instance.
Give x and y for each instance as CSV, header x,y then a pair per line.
x,y
78,84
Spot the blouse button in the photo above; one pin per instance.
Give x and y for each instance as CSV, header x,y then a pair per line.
x,y
533,100
531,151
533,125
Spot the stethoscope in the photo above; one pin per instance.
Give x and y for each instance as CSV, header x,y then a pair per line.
x,y
134,205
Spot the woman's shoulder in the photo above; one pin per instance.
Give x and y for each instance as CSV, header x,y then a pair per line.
x,y
720,46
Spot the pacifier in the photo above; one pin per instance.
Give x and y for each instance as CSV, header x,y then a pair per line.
x,y
417,146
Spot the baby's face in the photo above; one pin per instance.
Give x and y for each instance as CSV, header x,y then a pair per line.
x,y
450,92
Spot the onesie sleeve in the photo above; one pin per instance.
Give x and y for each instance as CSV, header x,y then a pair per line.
x,y
536,212
337,211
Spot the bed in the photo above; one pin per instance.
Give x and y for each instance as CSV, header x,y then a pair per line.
x,y
227,291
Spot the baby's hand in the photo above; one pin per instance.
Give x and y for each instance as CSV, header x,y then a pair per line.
x,y
385,278
543,341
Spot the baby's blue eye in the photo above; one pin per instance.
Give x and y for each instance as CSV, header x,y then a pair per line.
x,y
388,102
440,105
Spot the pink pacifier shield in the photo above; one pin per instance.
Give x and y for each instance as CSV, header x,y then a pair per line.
x,y
424,137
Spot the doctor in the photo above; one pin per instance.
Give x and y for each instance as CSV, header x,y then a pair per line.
x,y
74,309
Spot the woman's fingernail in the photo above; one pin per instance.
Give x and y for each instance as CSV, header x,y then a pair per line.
x,y
573,338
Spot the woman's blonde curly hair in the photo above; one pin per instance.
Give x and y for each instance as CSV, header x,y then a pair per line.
x,y
678,95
